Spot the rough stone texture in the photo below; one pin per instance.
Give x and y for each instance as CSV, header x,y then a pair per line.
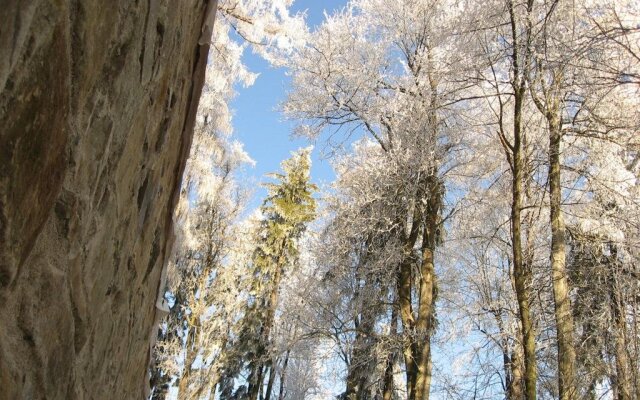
x,y
96,106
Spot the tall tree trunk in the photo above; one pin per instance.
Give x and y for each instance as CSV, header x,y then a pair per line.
x,y
261,391
183,385
511,362
408,324
418,328
387,389
359,368
427,292
272,378
351,388
283,375
515,389
563,311
591,384
522,276
258,371
550,105
255,381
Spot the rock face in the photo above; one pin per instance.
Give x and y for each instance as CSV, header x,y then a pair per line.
x,y
97,100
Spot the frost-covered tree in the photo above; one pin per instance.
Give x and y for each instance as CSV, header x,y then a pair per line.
x,y
265,27
603,265
570,95
543,56
384,70
203,285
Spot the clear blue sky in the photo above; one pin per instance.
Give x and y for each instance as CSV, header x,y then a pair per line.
x,y
257,122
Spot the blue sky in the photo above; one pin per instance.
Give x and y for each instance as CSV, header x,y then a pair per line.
x,y
257,122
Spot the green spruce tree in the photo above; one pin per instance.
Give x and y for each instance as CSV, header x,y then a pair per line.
x,y
286,211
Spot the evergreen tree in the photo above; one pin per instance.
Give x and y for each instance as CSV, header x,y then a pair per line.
x,y
286,211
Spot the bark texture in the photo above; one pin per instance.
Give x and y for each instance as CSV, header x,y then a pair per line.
x,y
521,272
97,101
562,302
520,60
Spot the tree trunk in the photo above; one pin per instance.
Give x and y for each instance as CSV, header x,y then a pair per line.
x,y
258,371
183,386
362,358
261,390
563,313
418,328
406,315
521,274
283,375
424,324
387,389
272,378
511,362
255,381
515,389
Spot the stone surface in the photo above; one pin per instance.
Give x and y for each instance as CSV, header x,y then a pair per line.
x,y
96,106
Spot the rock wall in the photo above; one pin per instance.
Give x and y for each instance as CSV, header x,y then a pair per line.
x,y
97,101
